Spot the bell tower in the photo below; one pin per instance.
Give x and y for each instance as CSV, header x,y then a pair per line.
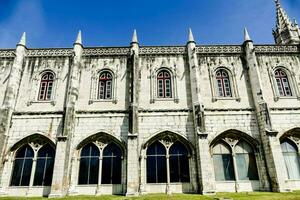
x,y
286,31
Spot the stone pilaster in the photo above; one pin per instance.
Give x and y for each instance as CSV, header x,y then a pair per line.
x,y
204,163
10,98
62,164
133,166
271,145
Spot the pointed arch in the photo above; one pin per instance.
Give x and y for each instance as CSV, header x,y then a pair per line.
x,y
103,137
169,135
291,134
39,137
236,134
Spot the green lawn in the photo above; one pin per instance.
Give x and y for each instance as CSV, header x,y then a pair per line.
x,y
241,196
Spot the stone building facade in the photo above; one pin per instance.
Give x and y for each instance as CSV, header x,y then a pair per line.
x,y
147,119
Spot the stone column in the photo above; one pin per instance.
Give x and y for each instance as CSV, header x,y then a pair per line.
x,y
62,163
271,146
10,98
74,175
236,175
168,189
133,166
204,163
143,168
98,192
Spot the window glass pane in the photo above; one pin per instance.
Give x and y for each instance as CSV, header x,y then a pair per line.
x,y
291,158
105,85
156,163
26,172
179,163
22,166
89,165
44,166
246,166
112,165
223,166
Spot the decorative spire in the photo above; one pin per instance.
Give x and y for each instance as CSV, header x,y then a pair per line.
x,y
78,39
23,40
191,37
282,19
246,35
134,37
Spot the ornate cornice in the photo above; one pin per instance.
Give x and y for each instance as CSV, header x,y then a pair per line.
x,y
161,50
277,49
219,49
153,50
106,51
7,53
49,52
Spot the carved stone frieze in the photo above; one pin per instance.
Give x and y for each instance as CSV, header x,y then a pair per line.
x,y
49,52
99,51
163,50
7,53
221,49
277,49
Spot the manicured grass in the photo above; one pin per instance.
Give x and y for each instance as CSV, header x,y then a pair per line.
x,y
235,196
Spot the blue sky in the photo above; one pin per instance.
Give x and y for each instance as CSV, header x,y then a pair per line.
x,y
55,23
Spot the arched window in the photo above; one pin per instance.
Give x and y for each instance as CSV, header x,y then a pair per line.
x,y
223,83
179,163
245,162
112,164
156,163
164,84
282,82
89,164
46,86
291,158
105,85
22,166
223,163
44,166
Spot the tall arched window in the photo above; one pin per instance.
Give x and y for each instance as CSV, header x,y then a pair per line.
x,y
112,164
89,164
156,163
282,82
291,158
105,85
22,166
164,84
179,167
245,161
46,86
223,163
44,166
223,83
170,158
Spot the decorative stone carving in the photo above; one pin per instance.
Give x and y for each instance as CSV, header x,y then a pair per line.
x,y
225,49
163,50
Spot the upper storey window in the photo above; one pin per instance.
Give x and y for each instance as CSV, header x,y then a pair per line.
x,y
282,82
105,85
223,83
164,84
46,86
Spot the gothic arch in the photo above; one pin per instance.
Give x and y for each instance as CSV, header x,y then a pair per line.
x,y
169,136
104,138
36,137
293,135
235,135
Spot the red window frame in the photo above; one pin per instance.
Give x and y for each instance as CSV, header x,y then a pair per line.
x,y
223,83
46,86
105,85
164,84
282,82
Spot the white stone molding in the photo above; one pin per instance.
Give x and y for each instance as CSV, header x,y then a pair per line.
x,y
162,50
98,66
233,83
153,82
40,67
276,49
219,49
291,78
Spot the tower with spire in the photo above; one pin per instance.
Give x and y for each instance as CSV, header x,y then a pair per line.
x,y
286,31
